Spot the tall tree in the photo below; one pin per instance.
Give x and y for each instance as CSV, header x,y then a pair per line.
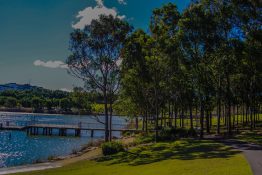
x,y
96,55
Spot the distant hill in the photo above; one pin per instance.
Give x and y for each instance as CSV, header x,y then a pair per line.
x,y
18,87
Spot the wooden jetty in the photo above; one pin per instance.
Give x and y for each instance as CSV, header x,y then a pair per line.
x,y
48,129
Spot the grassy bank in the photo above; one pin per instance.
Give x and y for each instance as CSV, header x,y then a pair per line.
x,y
254,136
180,157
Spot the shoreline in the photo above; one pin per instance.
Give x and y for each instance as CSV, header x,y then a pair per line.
x,y
36,113
86,153
56,114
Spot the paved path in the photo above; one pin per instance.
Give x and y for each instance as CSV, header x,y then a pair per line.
x,y
252,152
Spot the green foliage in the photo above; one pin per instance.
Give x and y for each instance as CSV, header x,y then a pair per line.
x,y
49,104
26,102
110,148
98,108
251,137
42,99
206,57
10,102
37,104
172,133
80,100
144,138
65,104
125,106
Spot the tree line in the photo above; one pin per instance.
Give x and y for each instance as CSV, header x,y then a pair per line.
x,y
195,66
41,100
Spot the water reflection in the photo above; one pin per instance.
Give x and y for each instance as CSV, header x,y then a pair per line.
x,y
16,148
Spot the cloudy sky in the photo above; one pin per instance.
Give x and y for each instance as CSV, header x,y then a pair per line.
x,y
34,35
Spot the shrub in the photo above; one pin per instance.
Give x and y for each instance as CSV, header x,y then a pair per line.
x,y
110,148
192,133
172,133
144,138
182,132
167,134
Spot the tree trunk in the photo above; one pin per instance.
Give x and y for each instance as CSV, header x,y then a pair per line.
x,y
229,118
210,120
110,121
137,123
251,118
182,117
234,117
201,119
218,116
146,121
207,122
175,116
237,117
106,116
191,116
196,117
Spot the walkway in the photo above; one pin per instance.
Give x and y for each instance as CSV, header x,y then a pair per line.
x,y
252,152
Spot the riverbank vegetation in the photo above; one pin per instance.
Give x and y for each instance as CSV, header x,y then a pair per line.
x,y
49,101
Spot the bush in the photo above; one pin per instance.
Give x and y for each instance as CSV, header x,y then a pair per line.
x,y
110,148
192,133
167,134
172,133
182,132
144,138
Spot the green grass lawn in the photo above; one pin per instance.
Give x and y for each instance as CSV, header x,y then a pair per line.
x,y
184,157
251,136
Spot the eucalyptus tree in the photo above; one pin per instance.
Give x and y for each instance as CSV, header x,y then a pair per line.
x,y
143,74
197,29
164,27
134,72
156,63
95,57
248,17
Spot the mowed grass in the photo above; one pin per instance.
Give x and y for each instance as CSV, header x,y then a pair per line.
x,y
184,157
251,136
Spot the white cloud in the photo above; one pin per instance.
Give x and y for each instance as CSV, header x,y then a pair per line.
x,y
91,13
51,64
123,2
100,3
66,90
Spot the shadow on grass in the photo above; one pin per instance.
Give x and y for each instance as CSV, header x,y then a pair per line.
x,y
251,136
183,150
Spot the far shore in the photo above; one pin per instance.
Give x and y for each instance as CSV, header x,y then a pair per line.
x,y
47,112
16,111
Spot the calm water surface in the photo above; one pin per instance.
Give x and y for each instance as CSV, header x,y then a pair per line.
x,y
17,148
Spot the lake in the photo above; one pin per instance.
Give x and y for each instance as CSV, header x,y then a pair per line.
x,y
17,148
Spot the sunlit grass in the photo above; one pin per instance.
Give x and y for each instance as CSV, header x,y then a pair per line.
x,y
251,136
185,157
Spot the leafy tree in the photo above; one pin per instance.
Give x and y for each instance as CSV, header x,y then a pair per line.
x,y
11,102
37,104
65,104
95,57
80,99
49,104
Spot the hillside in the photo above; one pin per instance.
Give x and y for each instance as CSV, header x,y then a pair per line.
x,y
15,86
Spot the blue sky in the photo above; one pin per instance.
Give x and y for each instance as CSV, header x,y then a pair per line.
x,y
34,35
